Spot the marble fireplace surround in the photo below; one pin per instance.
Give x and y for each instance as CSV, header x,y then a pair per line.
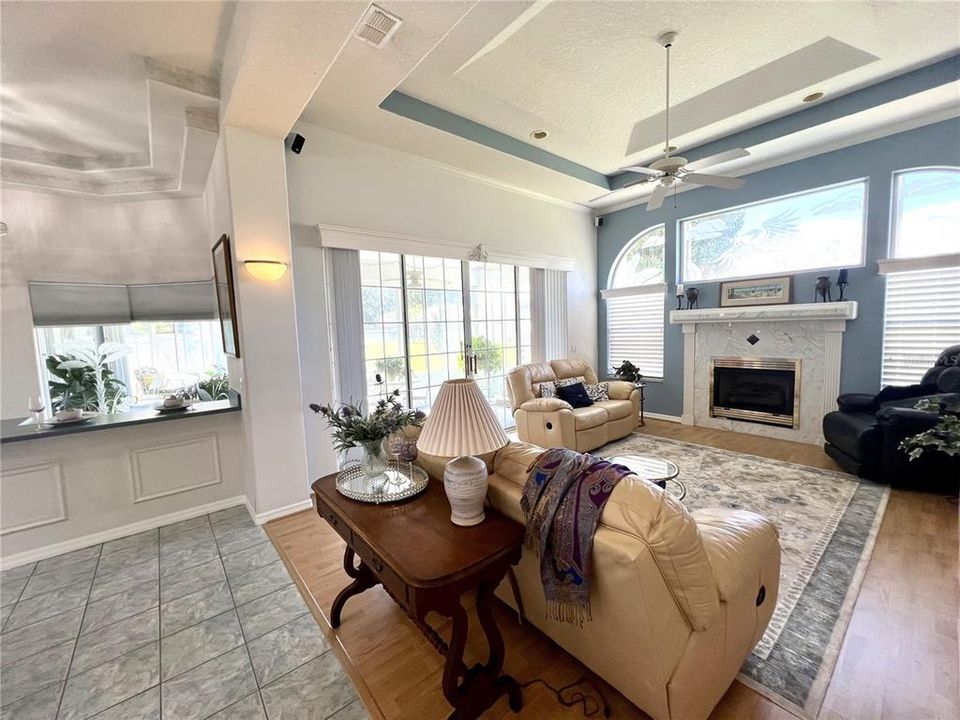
x,y
810,332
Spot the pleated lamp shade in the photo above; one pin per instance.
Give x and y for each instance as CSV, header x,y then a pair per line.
x,y
461,422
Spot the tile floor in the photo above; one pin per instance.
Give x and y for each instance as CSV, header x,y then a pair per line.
x,y
196,620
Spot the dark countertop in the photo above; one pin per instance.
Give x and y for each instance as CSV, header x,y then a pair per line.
x,y
25,429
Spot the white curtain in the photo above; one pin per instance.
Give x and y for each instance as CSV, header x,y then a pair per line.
x,y
538,332
343,279
555,314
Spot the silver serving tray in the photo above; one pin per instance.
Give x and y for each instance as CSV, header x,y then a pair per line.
x,y
401,480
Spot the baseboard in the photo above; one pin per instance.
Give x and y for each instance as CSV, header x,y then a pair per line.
x,y
658,416
59,548
261,518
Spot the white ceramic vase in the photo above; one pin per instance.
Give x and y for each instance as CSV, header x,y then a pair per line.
x,y
465,482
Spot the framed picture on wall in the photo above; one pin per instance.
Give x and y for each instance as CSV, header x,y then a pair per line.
x,y
764,291
226,302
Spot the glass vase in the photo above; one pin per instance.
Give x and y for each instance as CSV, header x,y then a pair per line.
x,y
373,463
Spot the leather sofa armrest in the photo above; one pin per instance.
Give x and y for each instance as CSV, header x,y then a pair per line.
x,y
620,390
907,421
737,542
545,405
857,402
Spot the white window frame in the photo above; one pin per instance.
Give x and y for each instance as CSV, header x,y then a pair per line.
x,y
682,248
901,267
613,293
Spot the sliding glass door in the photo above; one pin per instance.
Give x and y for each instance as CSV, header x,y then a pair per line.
x,y
434,295
427,320
497,293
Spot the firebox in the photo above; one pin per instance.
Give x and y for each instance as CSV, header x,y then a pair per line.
x,y
760,390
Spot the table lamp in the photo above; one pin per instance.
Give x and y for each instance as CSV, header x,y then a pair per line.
x,y
461,424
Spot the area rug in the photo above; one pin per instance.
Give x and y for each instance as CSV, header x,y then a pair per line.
x,y
828,522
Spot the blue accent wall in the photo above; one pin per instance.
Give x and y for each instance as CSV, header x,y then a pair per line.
x,y
937,144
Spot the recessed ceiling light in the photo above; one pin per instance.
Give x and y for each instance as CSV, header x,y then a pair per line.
x,y
539,134
813,97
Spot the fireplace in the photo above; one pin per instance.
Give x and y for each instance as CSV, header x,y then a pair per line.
x,y
760,390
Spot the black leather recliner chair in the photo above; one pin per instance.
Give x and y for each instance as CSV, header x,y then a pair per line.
x,y
864,435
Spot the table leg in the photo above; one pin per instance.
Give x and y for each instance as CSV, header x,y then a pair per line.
x,y
502,683
482,685
363,579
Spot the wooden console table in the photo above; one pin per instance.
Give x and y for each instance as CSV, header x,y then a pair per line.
x,y
426,563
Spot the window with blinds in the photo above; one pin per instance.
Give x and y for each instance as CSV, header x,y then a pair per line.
x,y
635,304
922,308
921,319
635,331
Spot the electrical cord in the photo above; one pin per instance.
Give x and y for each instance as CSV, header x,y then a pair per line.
x,y
589,704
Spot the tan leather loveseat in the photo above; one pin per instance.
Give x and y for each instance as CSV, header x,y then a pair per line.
x,y
551,422
678,599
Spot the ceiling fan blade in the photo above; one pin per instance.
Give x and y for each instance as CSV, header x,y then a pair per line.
x,y
656,199
641,181
718,181
641,169
717,159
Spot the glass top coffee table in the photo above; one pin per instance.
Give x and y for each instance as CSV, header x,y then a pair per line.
x,y
657,470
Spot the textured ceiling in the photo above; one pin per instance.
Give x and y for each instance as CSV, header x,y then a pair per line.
x,y
592,73
110,97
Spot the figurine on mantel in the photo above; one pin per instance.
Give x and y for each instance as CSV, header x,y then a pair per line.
x,y
693,298
822,289
842,282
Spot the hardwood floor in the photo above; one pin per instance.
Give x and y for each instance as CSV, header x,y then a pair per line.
x,y
899,659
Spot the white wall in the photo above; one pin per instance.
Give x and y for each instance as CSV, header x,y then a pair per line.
x,y
68,238
273,415
86,488
338,180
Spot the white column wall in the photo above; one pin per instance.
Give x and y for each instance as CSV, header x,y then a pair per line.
x,y
273,403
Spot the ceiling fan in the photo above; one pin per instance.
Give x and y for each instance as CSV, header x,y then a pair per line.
x,y
669,170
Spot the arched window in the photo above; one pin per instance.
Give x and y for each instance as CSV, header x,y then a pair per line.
x,y
634,301
641,260
922,309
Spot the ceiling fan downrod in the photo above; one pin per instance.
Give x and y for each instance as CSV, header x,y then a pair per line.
x,y
666,41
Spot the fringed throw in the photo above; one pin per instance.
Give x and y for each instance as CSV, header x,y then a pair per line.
x,y
562,501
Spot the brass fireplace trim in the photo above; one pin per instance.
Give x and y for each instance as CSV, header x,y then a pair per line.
x,y
758,363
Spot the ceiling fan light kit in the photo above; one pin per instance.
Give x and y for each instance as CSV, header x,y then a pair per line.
x,y
672,170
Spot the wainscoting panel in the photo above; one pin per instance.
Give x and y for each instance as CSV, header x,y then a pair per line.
x,y
33,495
175,467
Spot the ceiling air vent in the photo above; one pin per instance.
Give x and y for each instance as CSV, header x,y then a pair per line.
x,y
377,26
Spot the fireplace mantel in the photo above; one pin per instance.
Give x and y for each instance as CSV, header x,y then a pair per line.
x,y
846,310
811,332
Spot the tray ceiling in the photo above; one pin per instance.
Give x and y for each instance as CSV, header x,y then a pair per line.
x,y
592,73
110,97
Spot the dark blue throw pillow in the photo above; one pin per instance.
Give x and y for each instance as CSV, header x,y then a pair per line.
x,y
575,394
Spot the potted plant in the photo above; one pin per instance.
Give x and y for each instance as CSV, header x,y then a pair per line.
x,y
943,437
351,428
83,380
629,372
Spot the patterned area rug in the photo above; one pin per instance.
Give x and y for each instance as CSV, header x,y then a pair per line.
x,y
828,523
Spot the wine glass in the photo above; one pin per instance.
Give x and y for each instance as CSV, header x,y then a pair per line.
x,y
36,406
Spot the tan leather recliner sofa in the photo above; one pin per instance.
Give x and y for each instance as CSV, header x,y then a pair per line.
x,y
552,422
678,599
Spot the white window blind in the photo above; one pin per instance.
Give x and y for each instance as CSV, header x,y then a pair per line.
x,y
635,331
921,319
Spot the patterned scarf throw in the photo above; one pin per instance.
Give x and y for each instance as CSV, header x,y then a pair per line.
x,y
562,501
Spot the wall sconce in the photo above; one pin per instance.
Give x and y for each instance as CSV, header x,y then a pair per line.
x,y
266,270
